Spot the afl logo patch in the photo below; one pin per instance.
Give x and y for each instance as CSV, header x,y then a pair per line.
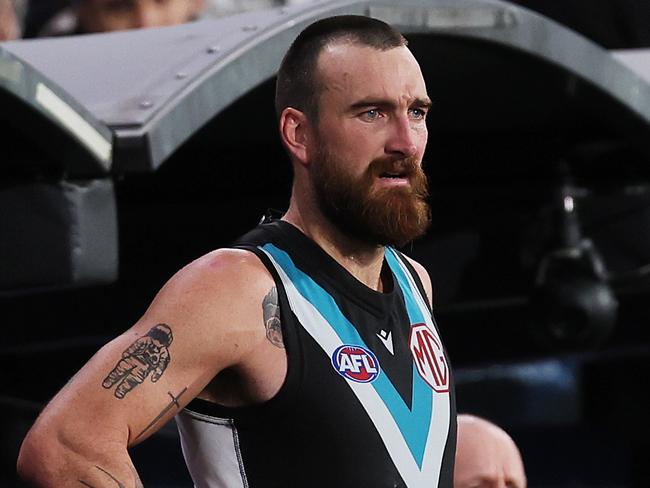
x,y
355,363
429,357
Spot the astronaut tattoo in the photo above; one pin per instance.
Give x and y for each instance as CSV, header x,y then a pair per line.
x,y
272,321
149,355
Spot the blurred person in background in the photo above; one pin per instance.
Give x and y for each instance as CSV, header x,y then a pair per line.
x,y
221,8
486,456
11,14
88,16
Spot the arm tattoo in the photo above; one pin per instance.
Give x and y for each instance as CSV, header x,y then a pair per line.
x,y
272,321
172,404
147,355
138,483
118,482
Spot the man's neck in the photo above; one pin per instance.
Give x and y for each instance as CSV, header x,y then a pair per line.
x,y
362,260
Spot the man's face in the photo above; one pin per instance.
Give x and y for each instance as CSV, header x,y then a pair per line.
x,y
486,457
370,137
115,15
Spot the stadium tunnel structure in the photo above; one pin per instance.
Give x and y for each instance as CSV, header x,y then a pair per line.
x,y
524,110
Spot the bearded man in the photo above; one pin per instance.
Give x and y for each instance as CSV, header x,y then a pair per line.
x,y
307,355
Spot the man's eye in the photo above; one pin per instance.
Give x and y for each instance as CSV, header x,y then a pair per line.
x,y
372,114
418,113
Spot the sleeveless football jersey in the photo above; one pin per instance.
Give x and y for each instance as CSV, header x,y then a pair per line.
x,y
368,400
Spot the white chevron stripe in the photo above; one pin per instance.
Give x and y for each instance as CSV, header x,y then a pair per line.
x,y
439,428
323,333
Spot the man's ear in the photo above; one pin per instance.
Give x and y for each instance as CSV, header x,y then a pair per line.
x,y
295,134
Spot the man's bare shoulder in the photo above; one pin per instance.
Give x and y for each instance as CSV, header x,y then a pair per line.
x,y
424,277
226,271
236,266
218,296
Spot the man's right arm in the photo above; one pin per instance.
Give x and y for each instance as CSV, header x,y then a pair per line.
x,y
206,318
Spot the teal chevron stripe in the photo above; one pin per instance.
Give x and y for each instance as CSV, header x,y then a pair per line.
x,y
413,423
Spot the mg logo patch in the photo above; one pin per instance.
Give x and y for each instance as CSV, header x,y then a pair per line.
x,y
429,357
355,363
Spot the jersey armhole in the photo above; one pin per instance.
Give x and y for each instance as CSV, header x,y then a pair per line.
x,y
285,397
416,278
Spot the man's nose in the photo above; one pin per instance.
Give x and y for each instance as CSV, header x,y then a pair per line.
x,y
402,139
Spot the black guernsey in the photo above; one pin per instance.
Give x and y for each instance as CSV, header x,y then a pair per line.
x,y
368,400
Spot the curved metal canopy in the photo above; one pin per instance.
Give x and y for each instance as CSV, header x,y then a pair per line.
x,y
32,101
155,88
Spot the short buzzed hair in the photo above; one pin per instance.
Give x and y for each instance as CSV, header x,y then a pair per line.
x,y
298,84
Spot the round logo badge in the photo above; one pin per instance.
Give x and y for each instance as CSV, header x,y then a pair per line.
x,y
355,363
429,357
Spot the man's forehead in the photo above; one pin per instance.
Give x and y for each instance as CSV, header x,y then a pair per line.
x,y
344,54
358,72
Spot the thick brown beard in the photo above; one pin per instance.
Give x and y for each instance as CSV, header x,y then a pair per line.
x,y
387,216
